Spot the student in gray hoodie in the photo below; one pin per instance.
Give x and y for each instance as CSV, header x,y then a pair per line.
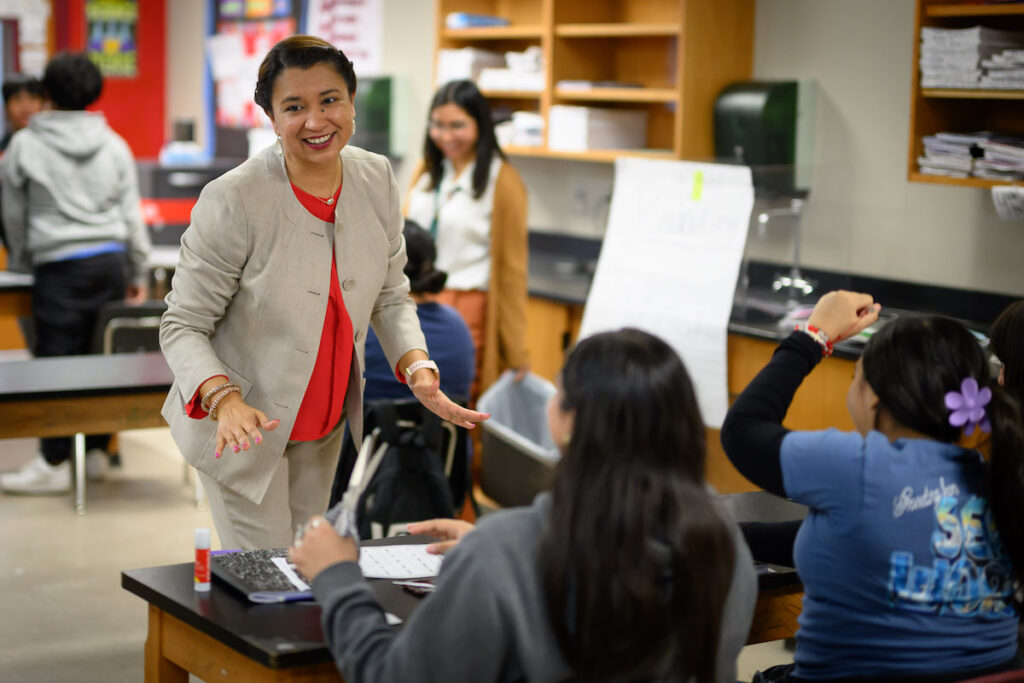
x,y
627,570
72,216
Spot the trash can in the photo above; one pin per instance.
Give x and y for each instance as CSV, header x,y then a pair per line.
x,y
519,455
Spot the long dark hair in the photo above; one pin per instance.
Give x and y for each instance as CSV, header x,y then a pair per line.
x,y
636,562
1007,342
421,253
466,95
911,363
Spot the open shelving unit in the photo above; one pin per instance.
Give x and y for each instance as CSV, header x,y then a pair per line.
x,y
676,56
949,109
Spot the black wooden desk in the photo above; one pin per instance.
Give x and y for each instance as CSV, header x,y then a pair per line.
x,y
81,395
222,636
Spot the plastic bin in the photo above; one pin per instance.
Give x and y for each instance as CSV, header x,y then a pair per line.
x,y
519,455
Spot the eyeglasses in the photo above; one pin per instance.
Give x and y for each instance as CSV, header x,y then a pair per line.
x,y
454,126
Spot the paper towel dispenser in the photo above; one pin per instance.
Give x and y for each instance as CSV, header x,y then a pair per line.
x,y
767,125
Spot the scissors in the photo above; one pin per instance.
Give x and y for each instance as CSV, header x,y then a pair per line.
x,y
343,515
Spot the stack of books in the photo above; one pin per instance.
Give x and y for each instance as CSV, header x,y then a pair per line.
x,y
952,58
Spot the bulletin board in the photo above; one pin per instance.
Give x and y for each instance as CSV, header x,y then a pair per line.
x,y
112,36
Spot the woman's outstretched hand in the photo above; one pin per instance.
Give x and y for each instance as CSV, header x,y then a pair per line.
x,y
842,314
426,387
450,531
239,425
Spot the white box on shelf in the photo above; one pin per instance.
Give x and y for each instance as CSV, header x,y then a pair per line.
x,y
507,79
578,129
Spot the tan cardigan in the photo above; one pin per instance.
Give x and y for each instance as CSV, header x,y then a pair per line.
x,y
505,333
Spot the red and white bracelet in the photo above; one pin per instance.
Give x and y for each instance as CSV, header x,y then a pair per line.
x,y
818,336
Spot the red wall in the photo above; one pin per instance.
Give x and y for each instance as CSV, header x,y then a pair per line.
x,y
134,107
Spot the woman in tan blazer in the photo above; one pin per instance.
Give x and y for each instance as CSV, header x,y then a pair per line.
x,y
475,205
287,261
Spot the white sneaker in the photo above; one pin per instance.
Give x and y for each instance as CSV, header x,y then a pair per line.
x,y
97,464
38,477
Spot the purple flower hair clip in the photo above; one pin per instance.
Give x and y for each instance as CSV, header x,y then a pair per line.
x,y
967,406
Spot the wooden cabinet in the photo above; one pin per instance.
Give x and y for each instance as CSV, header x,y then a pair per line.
x,y
679,54
935,110
820,403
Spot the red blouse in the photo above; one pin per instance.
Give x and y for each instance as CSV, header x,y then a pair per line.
x,y
324,399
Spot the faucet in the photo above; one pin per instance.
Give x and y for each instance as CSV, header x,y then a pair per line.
x,y
794,283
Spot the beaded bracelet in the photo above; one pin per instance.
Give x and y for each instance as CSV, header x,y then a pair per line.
x,y
220,397
204,401
818,336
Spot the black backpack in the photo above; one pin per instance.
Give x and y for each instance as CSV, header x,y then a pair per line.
x,y
410,483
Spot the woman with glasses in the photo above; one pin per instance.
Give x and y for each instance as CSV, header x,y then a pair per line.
x,y
474,205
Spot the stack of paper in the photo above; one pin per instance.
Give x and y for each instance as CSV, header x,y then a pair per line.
x,y
470,20
950,154
1004,70
578,129
1003,159
465,64
523,71
952,58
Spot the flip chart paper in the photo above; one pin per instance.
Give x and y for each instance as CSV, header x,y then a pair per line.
x,y
669,263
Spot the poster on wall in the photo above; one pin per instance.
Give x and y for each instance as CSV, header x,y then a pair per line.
x,y
352,26
111,31
235,53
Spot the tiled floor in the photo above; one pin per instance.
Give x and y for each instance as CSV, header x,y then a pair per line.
x,y
65,616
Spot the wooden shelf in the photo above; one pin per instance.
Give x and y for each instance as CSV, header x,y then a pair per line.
x,y
511,94
963,94
964,182
598,155
615,30
974,10
618,94
528,32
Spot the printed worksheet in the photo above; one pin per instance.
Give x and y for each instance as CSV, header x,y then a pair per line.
x,y
398,562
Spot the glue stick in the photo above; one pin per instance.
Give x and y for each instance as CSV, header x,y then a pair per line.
x,y
202,569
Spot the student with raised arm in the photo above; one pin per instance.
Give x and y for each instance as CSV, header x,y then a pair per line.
x,y
627,570
913,542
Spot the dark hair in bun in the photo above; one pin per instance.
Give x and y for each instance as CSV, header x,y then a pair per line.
x,y
420,249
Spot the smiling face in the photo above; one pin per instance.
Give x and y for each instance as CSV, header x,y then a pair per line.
x,y
455,133
313,115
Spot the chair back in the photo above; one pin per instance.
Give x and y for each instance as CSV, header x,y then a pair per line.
x,y
128,329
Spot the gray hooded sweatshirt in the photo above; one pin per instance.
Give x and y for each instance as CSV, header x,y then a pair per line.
x,y
69,184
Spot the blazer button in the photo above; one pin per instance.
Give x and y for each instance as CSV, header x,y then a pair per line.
x,y
348,284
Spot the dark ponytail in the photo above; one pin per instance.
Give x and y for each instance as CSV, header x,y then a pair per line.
x,y
636,562
911,363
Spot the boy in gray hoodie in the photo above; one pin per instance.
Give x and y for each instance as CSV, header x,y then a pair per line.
x,y
72,216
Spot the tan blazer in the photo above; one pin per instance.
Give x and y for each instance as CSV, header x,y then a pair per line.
x,y
249,296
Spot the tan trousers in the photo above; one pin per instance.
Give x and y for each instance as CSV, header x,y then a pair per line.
x,y
299,489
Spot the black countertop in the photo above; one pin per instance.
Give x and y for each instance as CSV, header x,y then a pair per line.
x,y
562,267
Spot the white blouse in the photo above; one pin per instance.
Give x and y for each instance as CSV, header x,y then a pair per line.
x,y
463,223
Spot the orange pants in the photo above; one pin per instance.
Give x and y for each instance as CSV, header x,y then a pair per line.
x,y
472,306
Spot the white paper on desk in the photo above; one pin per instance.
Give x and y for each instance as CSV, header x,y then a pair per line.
x,y
670,260
398,562
288,570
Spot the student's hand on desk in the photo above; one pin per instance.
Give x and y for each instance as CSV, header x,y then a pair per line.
x,y
136,295
450,531
239,425
521,373
320,547
426,387
842,314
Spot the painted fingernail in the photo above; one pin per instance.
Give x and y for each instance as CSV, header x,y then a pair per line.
x,y
216,454
245,446
257,440
235,449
